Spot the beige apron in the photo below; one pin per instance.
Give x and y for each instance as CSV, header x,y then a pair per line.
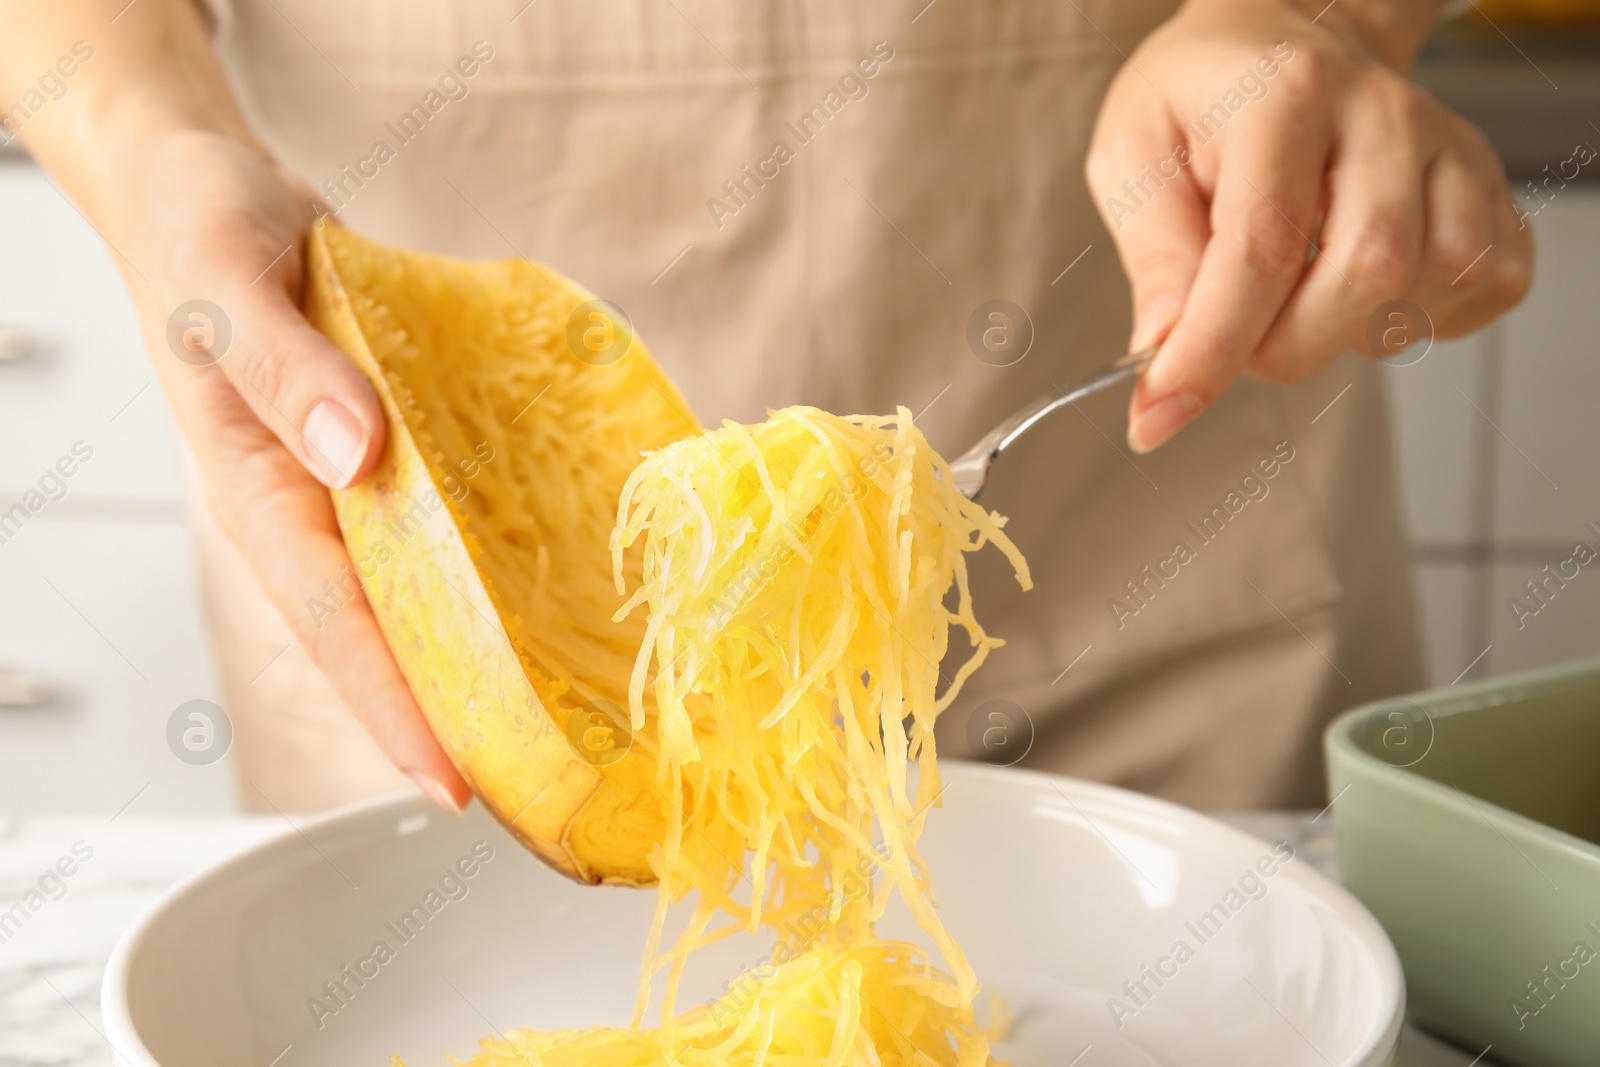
x,y
931,160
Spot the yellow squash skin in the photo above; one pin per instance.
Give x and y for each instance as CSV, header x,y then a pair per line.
x,y
481,538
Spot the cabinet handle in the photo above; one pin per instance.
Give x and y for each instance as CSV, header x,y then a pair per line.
x,y
14,344
19,689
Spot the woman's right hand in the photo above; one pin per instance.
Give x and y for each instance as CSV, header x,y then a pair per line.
x,y
148,141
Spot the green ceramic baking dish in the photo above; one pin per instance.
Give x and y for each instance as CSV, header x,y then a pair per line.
x,y
1468,820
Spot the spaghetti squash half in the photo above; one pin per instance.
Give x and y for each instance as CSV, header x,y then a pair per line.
x,y
763,611
481,539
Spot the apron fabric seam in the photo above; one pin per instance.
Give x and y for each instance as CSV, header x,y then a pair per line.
x,y
559,82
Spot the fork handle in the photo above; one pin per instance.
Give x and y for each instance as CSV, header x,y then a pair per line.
x,y
971,468
1125,369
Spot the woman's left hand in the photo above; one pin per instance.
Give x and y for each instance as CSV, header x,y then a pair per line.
x,y
1272,181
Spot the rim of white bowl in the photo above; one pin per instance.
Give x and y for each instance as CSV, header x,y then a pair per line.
x,y
1383,1036
1381,1039
121,1033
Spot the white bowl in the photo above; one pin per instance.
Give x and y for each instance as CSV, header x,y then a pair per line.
x,y
1060,890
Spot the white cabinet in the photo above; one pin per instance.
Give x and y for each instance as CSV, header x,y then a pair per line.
x,y
84,365
97,594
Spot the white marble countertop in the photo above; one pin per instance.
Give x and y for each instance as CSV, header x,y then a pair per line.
x,y
50,968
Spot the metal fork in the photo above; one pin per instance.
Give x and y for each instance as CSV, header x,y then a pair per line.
x,y
970,470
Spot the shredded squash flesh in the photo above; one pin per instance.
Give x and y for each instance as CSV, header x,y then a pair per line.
x,y
796,581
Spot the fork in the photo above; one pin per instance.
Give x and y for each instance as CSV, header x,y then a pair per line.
x,y
970,470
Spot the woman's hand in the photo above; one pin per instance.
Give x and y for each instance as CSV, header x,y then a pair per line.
x,y
1272,180
149,143
278,419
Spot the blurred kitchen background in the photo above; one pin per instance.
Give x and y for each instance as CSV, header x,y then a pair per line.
x,y
1499,435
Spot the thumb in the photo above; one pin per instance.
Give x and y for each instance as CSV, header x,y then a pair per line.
x,y
297,383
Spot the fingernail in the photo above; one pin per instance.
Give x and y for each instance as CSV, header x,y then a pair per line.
x,y
1154,318
435,792
1160,421
335,443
